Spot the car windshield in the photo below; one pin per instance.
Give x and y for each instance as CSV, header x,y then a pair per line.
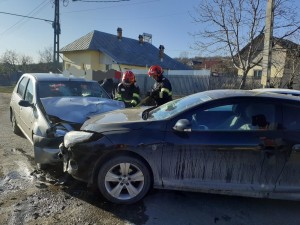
x,y
174,107
70,88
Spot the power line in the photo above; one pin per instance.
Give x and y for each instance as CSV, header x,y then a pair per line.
x,y
31,17
35,11
22,21
30,14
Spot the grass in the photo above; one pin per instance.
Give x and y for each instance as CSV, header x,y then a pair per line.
x,y
6,89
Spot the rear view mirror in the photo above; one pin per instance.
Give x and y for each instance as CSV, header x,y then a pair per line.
x,y
24,103
183,125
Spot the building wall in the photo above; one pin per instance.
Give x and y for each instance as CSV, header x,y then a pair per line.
x,y
81,63
278,63
85,63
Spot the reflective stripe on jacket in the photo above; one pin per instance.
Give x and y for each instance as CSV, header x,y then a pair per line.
x,y
130,95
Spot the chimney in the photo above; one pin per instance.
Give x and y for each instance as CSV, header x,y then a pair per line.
x,y
161,52
141,39
119,30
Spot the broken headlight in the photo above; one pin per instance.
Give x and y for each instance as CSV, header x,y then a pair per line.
x,y
74,137
59,130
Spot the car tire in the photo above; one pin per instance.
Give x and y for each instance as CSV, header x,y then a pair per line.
x,y
41,166
124,180
14,124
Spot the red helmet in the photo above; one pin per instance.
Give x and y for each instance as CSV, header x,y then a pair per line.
x,y
155,71
128,78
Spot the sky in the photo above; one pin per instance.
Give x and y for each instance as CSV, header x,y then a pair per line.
x,y
169,22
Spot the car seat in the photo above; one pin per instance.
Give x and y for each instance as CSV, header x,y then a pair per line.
x,y
237,120
260,116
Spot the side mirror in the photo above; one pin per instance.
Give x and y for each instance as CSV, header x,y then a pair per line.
x,y
183,125
24,103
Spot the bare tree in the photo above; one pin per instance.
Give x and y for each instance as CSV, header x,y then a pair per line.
x,y
230,25
25,61
46,55
46,59
184,58
10,61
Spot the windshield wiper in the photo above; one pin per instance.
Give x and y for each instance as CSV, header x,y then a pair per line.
x,y
145,114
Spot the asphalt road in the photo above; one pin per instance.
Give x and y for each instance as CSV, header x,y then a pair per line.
x,y
30,196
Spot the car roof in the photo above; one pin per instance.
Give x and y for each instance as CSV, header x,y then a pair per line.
x,y
279,90
55,77
227,93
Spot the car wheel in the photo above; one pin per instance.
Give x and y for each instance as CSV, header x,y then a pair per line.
x,y
41,166
124,180
14,124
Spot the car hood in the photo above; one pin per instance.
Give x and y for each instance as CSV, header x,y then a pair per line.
x,y
78,109
117,120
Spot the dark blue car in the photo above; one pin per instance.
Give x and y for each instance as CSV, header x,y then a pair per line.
x,y
220,141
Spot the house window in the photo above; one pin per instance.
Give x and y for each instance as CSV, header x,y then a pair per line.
x,y
257,73
108,67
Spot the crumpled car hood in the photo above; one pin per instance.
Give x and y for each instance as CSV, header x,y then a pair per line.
x,y
78,109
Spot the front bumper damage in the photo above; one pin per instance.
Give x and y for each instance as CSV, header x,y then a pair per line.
x,y
46,150
82,160
64,154
69,165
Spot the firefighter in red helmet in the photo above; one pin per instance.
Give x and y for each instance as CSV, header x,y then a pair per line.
x,y
128,91
162,89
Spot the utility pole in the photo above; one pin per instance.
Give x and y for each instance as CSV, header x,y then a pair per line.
x,y
267,53
56,27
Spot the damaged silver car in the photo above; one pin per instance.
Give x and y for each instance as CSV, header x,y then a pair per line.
x,y
44,107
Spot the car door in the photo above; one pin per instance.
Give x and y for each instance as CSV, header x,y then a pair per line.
x,y
27,116
289,181
226,151
17,96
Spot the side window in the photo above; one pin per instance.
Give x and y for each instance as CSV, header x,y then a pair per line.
x,y
239,116
214,118
262,116
22,86
291,118
29,92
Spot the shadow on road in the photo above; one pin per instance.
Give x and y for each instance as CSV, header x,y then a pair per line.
x,y
176,207
54,176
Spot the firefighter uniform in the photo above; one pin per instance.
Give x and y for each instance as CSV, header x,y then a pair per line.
x,y
129,94
161,91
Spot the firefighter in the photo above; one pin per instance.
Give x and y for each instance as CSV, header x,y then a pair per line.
x,y
128,91
162,89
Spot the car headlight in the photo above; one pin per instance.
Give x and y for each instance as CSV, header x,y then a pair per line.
x,y
75,137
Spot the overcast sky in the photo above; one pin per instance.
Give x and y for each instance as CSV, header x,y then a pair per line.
x,y
168,21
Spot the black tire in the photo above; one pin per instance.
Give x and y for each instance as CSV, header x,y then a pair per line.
x,y
14,124
127,190
41,166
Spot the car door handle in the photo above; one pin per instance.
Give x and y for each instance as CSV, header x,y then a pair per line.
x,y
296,148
